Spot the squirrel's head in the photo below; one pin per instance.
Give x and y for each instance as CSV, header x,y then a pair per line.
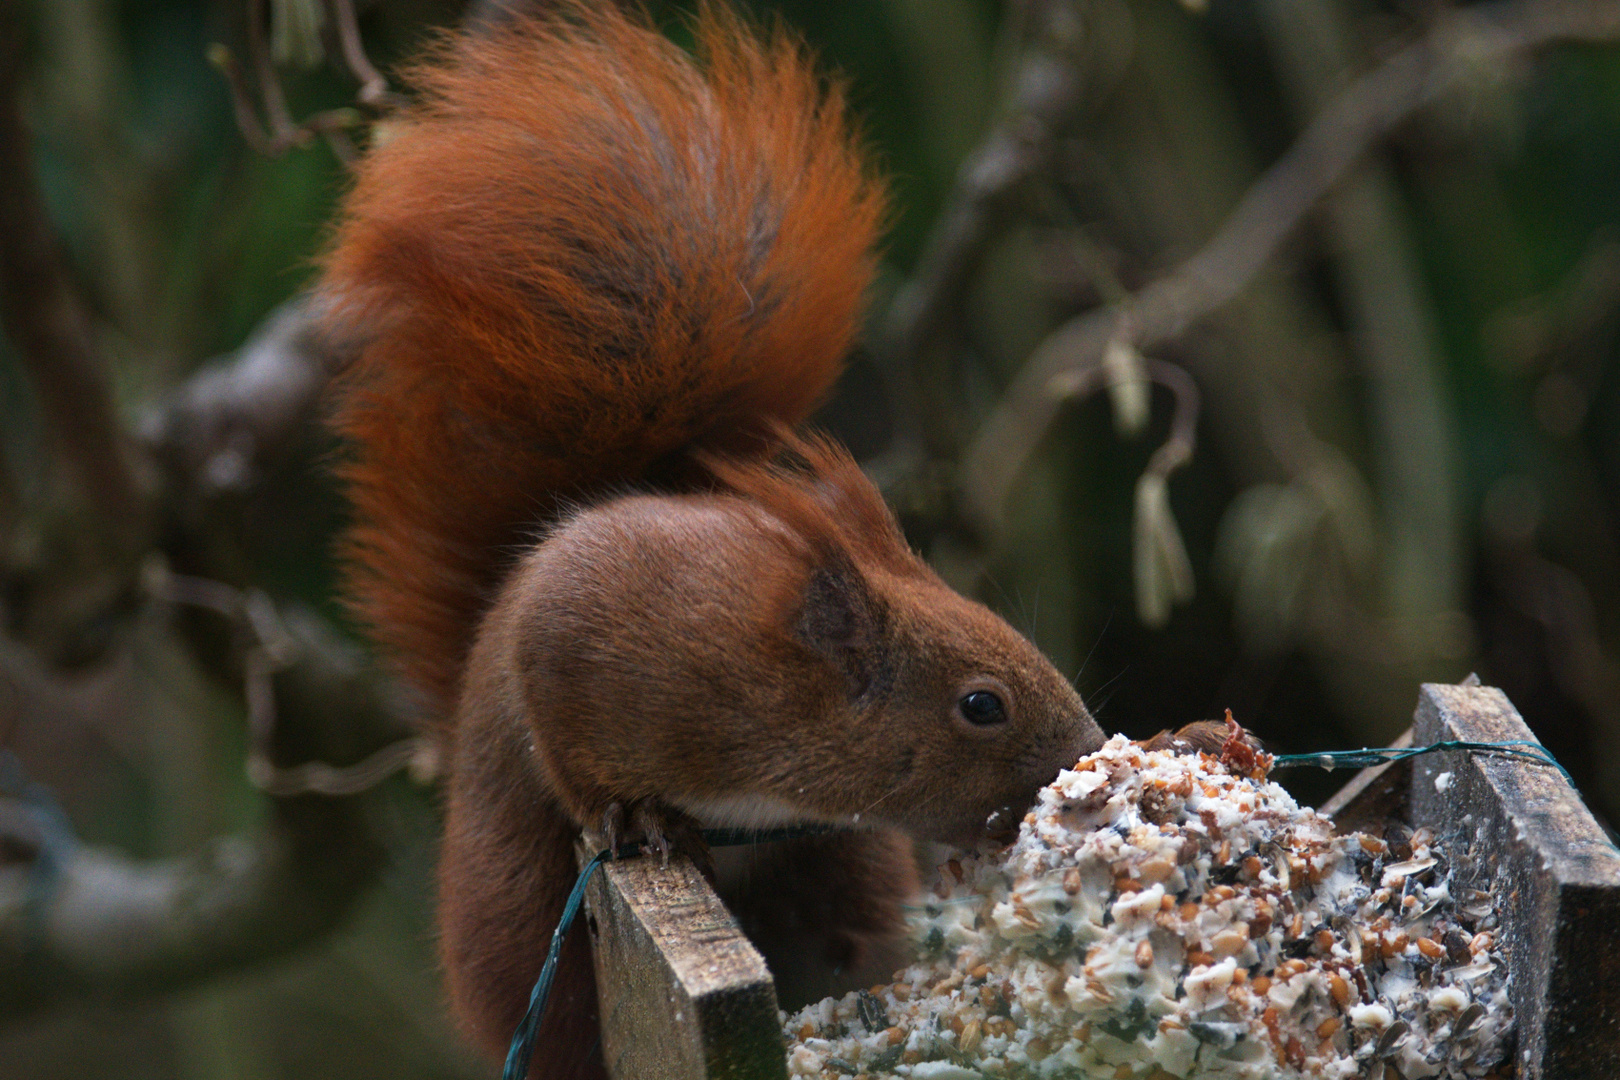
x,y
948,713
933,712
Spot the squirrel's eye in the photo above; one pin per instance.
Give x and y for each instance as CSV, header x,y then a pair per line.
x,y
982,707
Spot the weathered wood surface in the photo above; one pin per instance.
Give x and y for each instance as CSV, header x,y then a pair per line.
x,y
1518,828
682,993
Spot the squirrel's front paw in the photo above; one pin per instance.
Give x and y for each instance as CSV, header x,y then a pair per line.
x,y
655,825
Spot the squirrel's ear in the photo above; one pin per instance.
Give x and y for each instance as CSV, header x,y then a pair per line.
x,y
842,620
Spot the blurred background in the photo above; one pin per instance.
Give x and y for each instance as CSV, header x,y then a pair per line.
x,y
1254,355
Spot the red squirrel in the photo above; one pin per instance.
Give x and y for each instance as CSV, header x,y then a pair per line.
x,y
591,283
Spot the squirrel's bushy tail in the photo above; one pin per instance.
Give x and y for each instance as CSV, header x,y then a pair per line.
x,y
580,251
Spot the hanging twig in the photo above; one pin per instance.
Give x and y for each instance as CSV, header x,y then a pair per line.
x,y
1045,88
373,87
1162,571
284,135
271,648
278,134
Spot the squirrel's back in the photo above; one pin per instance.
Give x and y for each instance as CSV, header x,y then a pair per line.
x,y
579,252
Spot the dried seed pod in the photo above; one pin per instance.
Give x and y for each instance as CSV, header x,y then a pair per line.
x,y
1391,1039
871,1012
1467,1019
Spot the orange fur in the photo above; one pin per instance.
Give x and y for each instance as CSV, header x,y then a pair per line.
x,y
815,488
581,252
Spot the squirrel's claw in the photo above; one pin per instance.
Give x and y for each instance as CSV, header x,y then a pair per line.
x,y
655,825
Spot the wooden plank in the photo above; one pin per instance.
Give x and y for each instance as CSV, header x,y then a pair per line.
x,y
1518,829
682,993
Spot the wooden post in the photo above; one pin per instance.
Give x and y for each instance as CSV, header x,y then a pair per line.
x,y
1518,829
683,995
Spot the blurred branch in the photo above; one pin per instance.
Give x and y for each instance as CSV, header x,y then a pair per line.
x,y
1462,43
278,134
79,922
46,319
222,429
1392,328
1045,89
100,925
373,87
272,646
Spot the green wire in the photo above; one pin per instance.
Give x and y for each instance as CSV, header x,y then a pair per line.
x,y
1523,749
518,1054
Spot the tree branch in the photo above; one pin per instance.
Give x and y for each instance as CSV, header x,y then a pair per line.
x,y
1046,87
78,922
1462,43
224,427
373,87
100,925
